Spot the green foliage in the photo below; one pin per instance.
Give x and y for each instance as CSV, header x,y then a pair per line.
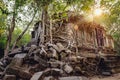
x,y
113,6
116,37
71,2
2,22
2,41
3,17
3,8
16,8
80,5
57,10
43,3
112,20
25,39
57,7
20,3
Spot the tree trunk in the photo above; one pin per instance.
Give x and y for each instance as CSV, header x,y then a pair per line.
x,y
51,31
7,48
21,35
43,28
9,36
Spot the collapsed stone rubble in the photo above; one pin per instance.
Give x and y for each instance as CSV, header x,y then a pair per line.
x,y
38,62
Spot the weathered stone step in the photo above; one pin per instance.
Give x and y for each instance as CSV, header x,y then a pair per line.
x,y
114,66
115,70
109,61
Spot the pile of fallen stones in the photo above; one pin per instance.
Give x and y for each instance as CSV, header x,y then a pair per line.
x,y
45,62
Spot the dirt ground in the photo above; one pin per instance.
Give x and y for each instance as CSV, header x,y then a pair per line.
x,y
113,77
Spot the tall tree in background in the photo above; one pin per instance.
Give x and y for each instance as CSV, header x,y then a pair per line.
x,y
16,8
23,32
112,19
11,26
3,17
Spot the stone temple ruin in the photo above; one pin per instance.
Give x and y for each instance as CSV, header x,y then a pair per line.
x,y
71,49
